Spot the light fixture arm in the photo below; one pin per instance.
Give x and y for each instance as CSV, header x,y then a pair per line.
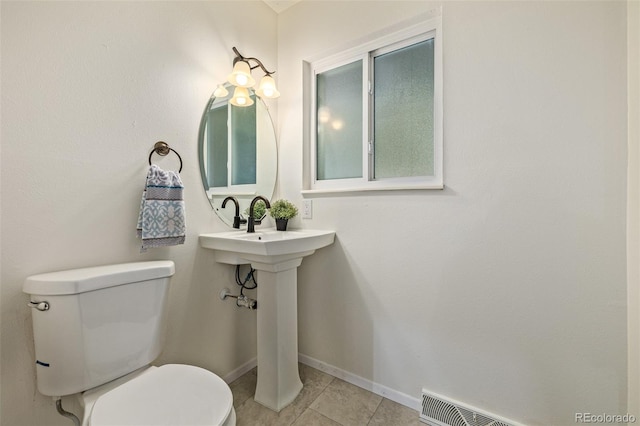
x,y
239,57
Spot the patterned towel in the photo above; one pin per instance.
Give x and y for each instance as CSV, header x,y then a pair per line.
x,y
161,221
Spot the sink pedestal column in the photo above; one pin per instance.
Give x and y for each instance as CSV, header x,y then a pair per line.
x,y
278,378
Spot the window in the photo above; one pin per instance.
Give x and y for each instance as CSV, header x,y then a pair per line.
x,y
229,145
376,114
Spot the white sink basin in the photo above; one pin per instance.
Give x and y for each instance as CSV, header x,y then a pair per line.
x,y
267,246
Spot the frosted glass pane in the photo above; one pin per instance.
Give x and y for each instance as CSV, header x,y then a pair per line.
x,y
217,143
403,112
339,143
243,145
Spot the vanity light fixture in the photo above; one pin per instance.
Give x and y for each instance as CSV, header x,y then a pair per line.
x,y
220,91
241,78
241,97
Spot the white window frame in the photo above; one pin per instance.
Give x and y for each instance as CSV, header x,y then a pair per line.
x,y
231,189
425,30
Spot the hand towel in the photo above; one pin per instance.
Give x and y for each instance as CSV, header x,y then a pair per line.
x,y
161,221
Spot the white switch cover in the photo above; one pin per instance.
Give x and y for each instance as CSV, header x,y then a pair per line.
x,y
307,209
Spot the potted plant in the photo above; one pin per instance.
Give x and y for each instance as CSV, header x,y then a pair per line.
x,y
282,211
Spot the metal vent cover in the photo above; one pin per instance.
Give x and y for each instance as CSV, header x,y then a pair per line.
x,y
439,411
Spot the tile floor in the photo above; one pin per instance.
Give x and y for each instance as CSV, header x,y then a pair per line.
x,y
324,401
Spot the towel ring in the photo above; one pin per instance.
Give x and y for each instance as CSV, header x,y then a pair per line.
x,y
163,148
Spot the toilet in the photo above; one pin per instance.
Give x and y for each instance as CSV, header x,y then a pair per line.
x,y
97,330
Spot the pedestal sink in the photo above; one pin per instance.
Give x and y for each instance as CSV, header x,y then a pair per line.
x,y
277,255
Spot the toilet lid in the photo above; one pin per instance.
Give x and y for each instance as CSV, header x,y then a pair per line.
x,y
169,395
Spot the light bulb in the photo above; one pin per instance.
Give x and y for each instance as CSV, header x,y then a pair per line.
x,y
337,124
241,97
241,79
241,75
220,91
267,88
324,114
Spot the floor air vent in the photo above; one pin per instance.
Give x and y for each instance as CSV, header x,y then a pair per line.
x,y
439,411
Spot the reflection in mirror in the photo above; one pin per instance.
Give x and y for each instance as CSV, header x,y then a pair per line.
x,y
238,154
235,146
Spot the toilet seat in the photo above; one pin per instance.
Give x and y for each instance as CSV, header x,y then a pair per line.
x,y
168,395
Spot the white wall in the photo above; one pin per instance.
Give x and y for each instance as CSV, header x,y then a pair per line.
x,y
87,89
633,204
506,290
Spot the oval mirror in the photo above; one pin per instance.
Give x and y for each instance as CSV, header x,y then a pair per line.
x,y
237,152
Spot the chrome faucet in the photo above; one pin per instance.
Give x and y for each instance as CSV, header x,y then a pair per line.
x,y
252,221
236,218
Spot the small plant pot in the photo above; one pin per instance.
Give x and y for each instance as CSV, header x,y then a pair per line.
x,y
281,224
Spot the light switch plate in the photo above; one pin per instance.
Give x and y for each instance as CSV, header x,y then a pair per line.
x,y
307,209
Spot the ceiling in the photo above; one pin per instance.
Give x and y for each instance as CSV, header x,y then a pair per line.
x,y
280,5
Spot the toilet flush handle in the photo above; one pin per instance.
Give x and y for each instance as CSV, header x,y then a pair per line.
x,y
41,306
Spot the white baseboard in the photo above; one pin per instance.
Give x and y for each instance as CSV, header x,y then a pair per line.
x,y
378,389
240,371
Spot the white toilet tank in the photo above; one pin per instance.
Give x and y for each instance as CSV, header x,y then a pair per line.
x,y
98,323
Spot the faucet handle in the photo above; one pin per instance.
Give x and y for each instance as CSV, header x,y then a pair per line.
x,y
237,221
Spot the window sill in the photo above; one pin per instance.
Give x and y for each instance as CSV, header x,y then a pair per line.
x,y
361,190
